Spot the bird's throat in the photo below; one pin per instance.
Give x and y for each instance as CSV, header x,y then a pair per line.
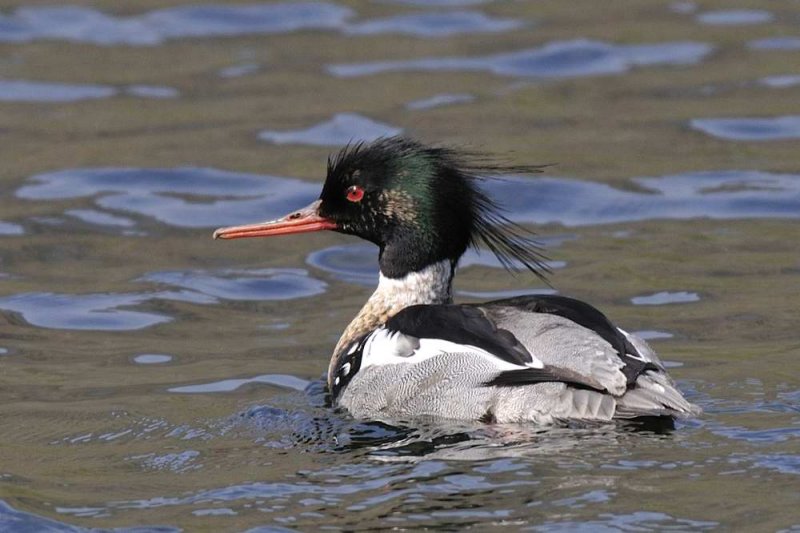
x,y
431,285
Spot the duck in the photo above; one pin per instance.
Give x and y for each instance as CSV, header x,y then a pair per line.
x,y
411,352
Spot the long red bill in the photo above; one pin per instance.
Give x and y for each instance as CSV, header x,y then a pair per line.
x,y
302,221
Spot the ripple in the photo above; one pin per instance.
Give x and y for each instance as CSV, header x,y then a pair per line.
x,y
243,285
780,81
157,193
12,519
9,228
683,7
340,130
436,24
207,198
86,25
735,17
230,385
151,359
637,521
152,91
104,311
775,43
34,91
651,334
175,462
664,297
440,100
82,312
358,263
353,263
714,194
783,463
750,129
559,59
439,3
237,71
100,218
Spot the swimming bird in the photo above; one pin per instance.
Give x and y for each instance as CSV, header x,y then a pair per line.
x,y
411,352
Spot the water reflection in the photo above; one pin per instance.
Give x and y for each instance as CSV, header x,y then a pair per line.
x,y
437,24
152,91
338,131
173,196
87,25
35,91
637,521
735,17
780,81
440,100
151,359
242,285
358,263
438,3
230,385
207,198
750,129
775,43
237,71
99,218
9,228
665,297
106,311
82,312
559,59
716,194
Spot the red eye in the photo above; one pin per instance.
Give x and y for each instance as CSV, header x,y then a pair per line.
x,y
355,193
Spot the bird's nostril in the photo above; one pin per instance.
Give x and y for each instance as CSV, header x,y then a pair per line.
x,y
294,215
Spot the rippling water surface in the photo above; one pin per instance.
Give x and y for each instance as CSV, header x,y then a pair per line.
x,y
152,379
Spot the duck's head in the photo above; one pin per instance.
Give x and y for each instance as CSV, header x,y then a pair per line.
x,y
421,205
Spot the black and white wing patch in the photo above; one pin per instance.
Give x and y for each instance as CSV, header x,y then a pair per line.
x,y
420,332
633,362
459,325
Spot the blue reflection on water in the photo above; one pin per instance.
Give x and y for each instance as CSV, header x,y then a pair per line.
x,y
775,43
338,131
230,385
35,91
173,196
714,194
750,129
735,17
243,285
16,521
9,228
87,25
661,298
358,263
440,100
780,81
83,24
437,24
207,198
106,311
559,59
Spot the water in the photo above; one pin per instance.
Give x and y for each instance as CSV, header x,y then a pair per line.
x,y
152,379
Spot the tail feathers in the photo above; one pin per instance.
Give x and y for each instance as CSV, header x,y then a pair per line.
x,y
654,394
586,404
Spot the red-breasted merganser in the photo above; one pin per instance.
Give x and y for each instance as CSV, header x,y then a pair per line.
x,y
410,352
